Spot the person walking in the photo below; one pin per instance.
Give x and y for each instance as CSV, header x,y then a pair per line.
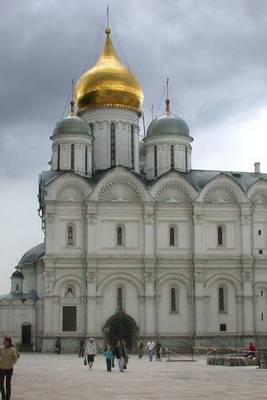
x,y
150,348
120,355
90,352
126,356
58,346
158,351
8,358
81,346
140,350
109,356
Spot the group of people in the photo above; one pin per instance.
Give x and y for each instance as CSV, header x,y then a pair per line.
x,y
119,352
153,349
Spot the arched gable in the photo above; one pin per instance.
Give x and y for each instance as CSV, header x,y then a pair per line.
x,y
222,189
175,278
65,280
68,187
123,277
120,185
173,188
221,279
258,192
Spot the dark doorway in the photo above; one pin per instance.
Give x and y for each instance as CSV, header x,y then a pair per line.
x,y
121,326
26,335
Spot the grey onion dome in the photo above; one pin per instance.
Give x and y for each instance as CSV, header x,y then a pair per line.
x,y
17,274
71,124
34,254
168,124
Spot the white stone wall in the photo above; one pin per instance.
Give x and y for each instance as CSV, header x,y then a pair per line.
x,y
182,154
124,120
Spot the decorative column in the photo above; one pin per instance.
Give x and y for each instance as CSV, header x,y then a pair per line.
x,y
200,301
91,301
248,306
150,299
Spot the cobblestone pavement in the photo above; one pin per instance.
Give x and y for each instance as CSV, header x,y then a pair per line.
x,y
52,377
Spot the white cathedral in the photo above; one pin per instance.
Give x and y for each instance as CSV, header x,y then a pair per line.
x,y
137,244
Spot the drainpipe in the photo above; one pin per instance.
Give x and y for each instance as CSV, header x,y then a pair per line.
x,y
253,273
85,249
193,279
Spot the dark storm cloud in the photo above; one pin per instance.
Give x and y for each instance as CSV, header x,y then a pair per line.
x,y
213,51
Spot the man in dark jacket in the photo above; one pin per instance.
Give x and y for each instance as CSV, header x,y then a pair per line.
x,y
120,355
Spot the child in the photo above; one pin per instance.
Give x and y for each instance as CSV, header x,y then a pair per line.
x,y
109,356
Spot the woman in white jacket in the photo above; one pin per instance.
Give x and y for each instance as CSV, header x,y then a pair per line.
x,y
90,352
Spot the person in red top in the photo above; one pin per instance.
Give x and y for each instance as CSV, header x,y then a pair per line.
x,y
251,350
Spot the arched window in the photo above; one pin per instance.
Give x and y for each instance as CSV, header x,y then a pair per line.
x,y
120,235
70,291
221,298
155,161
91,126
132,146
72,157
172,236
220,235
86,160
112,145
58,157
119,298
172,156
70,234
173,300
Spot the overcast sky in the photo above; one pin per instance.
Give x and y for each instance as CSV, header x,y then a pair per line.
x,y
213,51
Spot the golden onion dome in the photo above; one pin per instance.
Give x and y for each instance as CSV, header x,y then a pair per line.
x,y
109,83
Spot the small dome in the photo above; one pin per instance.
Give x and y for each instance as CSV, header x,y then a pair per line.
x,y
168,124
34,254
109,83
17,274
71,124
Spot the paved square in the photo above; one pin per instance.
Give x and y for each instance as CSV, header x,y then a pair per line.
x,y
48,376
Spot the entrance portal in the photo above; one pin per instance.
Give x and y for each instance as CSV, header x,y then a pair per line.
x,y
26,335
121,326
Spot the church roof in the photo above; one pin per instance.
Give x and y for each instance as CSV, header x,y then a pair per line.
x,y
34,254
198,178
32,295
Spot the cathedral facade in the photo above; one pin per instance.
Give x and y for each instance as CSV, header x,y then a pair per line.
x,y
137,243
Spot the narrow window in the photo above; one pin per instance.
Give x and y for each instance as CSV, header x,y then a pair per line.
x,y
132,146
86,159
70,239
58,157
119,298
220,236
223,327
155,161
259,232
262,293
173,300
186,158
119,236
172,236
91,126
69,319
113,145
72,161
172,156
260,251
221,299
262,316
